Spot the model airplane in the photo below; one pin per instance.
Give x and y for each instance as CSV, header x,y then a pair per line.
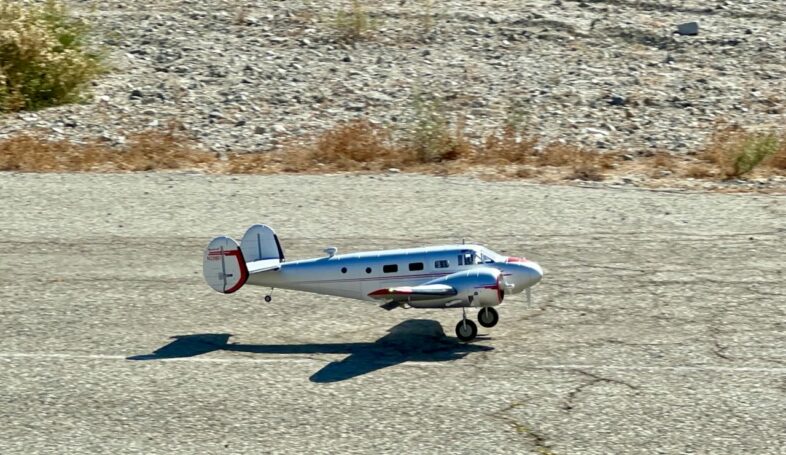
x,y
448,276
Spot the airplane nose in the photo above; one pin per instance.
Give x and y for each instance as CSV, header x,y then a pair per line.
x,y
535,273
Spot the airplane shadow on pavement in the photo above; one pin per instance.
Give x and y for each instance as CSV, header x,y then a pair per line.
x,y
416,340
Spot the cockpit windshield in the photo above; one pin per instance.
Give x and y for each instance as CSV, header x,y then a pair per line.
x,y
489,257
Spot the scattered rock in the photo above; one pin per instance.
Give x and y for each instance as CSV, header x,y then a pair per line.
x,y
688,29
617,100
622,85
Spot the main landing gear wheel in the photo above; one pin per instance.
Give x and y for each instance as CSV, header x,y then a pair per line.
x,y
268,298
488,317
466,330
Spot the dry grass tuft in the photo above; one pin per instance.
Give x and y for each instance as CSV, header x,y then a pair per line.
x,y
358,145
507,147
353,24
585,164
778,159
144,152
700,171
665,160
736,151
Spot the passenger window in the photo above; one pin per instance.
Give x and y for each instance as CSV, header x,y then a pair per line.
x,y
441,264
390,268
415,266
460,260
368,269
343,270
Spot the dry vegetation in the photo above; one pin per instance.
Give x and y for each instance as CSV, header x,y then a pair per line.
x,y
354,23
736,152
363,146
44,59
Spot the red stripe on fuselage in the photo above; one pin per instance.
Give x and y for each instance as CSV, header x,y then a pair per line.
x,y
382,292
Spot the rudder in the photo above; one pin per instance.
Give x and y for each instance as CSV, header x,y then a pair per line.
x,y
224,266
260,243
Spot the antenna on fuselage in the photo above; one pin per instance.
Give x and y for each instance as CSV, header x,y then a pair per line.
x,y
331,251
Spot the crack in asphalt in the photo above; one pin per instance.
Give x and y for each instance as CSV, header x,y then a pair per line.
x,y
537,439
595,379
719,350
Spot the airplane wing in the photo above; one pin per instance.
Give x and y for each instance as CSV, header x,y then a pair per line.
x,y
409,293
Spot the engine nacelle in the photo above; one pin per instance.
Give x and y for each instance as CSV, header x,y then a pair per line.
x,y
475,288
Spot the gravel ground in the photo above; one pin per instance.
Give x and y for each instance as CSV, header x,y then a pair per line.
x,y
610,74
658,328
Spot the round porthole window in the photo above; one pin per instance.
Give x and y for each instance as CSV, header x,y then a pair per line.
x,y
343,270
368,269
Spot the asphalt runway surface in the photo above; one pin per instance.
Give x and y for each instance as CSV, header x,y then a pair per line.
x,y
659,327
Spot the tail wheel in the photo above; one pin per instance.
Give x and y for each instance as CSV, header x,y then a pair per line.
x,y
488,317
466,330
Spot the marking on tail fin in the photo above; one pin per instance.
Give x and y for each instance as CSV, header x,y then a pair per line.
x,y
223,269
243,271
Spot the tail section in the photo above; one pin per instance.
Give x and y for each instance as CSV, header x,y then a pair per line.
x,y
223,265
260,243
227,264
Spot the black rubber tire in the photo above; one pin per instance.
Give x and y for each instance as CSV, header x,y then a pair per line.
x,y
268,298
488,317
468,332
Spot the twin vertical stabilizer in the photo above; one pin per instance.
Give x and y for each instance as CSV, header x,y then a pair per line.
x,y
226,264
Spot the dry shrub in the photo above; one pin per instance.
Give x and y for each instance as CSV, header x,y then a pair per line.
x,y
248,163
664,160
160,150
778,159
737,152
353,24
429,137
586,164
30,154
699,171
154,150
507,147
44,60
357,144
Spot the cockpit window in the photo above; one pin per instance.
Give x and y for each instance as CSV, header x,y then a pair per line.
x,y
488,256
468,257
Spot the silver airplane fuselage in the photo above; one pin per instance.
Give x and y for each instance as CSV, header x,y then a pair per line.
x,y
357,275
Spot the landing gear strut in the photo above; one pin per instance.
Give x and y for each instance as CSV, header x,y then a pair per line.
x,y
269,297
466,330
488,317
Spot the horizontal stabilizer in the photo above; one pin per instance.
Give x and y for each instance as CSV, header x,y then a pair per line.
x,y
264,265
409,293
